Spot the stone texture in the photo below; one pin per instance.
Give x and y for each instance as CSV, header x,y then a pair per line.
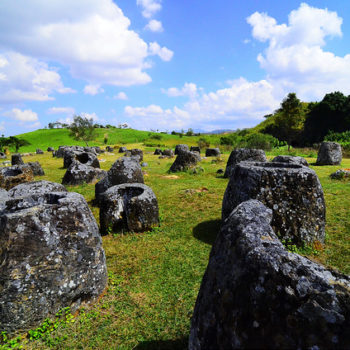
x,y
293,192
50,149
185,160
129,207
36,168
87,158
124,170
243,154
168,153
122,150
157,152
291,160
35,187
3,155
330,153
39,151
4,196
195,149
79,173
15,175
51,257
257,295
16,159
212,152
181,148
109,149
135,152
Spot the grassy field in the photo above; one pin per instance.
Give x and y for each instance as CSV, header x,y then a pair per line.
x,y
45,138
154,277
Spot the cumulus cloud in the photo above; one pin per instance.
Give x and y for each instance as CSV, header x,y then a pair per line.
x,y
164,53
61,110
295,59
189,89
23,78
121,96
92,116
241,103
93,90
91,38
26,115
149,7
154,26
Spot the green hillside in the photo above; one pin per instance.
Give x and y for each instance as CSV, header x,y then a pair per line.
x,y
44,138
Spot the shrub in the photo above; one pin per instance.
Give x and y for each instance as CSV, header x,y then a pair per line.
x,y
203,143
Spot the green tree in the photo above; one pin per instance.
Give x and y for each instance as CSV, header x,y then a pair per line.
x,y
331,114
82,129
290,118
17,143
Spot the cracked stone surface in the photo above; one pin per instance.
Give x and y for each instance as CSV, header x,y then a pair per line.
x,y
79,173
330,153
15,175
51,256
123,170
293,192
129,207
257,295
290,160
243,154
185,160
181,148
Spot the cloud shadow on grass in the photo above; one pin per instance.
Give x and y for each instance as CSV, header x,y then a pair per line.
x,y
207,231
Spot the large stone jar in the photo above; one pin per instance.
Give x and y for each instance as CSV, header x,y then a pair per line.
x,y
292,191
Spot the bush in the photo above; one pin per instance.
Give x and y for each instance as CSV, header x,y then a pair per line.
x,y
156,137
262,141
341,137
203,143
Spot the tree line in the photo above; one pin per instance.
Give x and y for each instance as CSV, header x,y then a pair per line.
x,y
303,124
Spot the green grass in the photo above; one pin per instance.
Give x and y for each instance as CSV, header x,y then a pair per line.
x,y
44,138
154,277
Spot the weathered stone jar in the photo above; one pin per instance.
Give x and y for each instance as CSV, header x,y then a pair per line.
x,y
128,207
330,153
292,191
51,256
257,295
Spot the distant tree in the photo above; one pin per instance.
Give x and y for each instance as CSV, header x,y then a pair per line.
x,y
17,143
189,132
51,125
289,118
4,141
82,129
331,114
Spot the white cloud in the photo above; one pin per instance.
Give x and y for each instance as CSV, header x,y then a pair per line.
x,y
93,90
149,7
189,89
92,38
61,110
23,78
241,104
295,59
164,53
92,116
120,96
26,115
154,26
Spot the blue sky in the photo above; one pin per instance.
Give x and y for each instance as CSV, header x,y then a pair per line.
x,y
167,65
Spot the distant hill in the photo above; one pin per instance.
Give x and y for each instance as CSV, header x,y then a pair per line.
x,y
44,138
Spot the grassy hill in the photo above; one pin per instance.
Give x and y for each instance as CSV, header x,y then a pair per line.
x,y
44,138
